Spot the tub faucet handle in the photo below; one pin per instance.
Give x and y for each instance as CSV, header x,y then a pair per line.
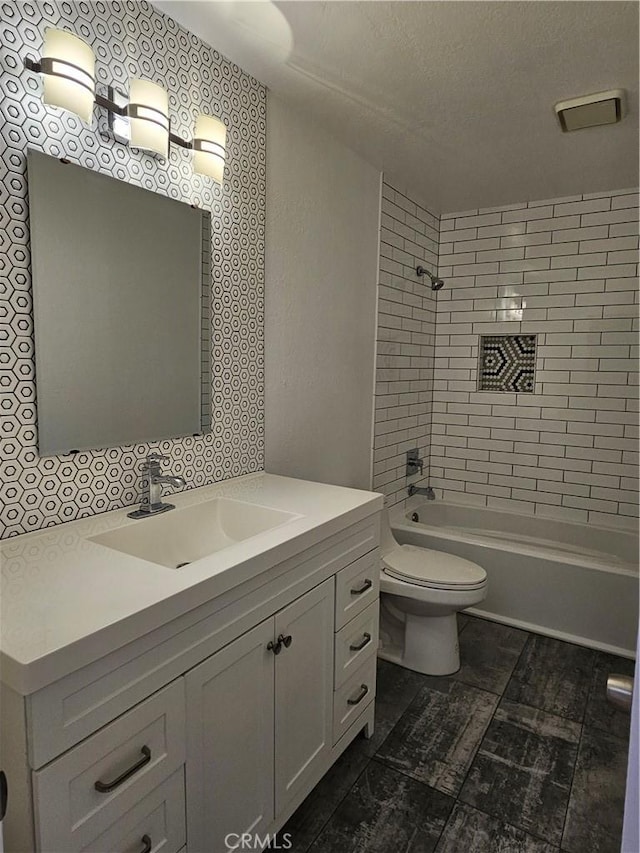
x,y
414,463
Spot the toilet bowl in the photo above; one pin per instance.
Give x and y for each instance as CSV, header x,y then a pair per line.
x,y
421,592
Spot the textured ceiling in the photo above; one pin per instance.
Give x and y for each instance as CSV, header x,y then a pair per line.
x,y
453,99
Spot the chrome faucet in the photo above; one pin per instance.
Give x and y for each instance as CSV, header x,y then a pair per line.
x,y
152,481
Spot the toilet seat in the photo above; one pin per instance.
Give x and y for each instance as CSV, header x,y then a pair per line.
x,y
435,569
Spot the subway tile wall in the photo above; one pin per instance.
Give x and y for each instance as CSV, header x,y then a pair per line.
x,y
405,341
565,270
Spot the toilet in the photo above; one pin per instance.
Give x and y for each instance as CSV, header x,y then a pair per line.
x,y
421,592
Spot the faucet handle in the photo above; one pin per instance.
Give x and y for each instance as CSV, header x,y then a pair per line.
x,y
153,460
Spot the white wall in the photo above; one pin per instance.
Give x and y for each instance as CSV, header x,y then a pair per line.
x,y
322,233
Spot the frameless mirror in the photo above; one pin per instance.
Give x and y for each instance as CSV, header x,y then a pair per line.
x,y
121,280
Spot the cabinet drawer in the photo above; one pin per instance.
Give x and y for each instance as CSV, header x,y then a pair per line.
x,y
353,697
357,586
127,759
155,824
355,643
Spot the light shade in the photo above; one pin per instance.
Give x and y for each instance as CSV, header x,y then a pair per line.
x,y
148,113
68,68
209,141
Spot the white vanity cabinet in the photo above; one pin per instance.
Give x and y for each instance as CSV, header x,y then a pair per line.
x,y
199,728
259,723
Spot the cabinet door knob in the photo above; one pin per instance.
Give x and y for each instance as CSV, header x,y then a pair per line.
x,y
106,787
363,692
359,646
367,584
286,641
276,648
146,840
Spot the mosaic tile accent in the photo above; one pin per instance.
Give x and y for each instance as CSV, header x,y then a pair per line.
x,y
507,363
131,39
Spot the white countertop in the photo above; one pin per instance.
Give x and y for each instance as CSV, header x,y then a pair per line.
x,y
66,601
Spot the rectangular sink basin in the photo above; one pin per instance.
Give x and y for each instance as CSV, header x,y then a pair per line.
x,y
179,537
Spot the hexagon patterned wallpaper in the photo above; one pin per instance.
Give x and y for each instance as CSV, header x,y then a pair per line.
x,y
131,39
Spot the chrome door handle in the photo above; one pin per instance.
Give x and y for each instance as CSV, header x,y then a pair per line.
x,y
106,787
365,642
620,691
367,584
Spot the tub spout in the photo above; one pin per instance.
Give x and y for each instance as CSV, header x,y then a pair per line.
x,y
429,494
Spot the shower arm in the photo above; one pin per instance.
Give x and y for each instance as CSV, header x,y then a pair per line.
x,y
436,283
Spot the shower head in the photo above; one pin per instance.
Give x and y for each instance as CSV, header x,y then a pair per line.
x,y
436,283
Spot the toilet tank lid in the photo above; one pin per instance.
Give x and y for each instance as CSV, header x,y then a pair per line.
x,y
433,568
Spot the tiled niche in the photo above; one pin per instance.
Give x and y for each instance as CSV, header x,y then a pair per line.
x,y
507,363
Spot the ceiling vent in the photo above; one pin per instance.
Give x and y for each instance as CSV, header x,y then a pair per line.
x,y
591,110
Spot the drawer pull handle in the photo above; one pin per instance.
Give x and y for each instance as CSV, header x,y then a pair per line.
x,y
365,642
286,641
106,787
4,794
147,844
363,692
365,586
276,647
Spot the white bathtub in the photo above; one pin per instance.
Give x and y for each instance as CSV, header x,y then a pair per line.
x,y
576,582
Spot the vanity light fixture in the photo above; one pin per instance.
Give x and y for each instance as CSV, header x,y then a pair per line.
x,y
148,113
67,66
209,143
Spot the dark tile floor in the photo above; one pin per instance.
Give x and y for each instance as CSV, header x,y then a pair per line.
x,y
518,752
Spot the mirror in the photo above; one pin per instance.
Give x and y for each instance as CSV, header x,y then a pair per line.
x,y
121,281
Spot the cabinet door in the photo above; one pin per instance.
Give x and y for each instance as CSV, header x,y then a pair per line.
x,y
304,691
230,702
